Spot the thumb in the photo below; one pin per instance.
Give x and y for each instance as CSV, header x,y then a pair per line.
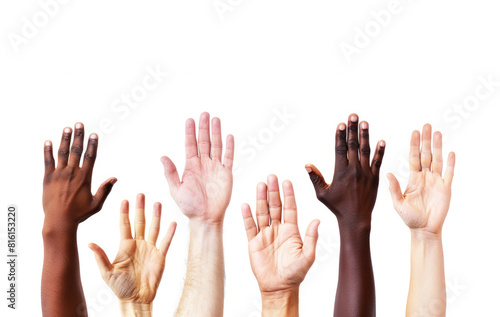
x,y
101,259
103,192
316,178
171,173
310,240
395,189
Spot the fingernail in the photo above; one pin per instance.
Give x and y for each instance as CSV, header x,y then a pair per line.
x,y
47,143
382,143
308,169
78,126
342,127
354,118
67,130
113,181
93,136
364,125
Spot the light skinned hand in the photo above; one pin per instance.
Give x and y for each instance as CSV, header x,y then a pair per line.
x,y
135,274
205,190
426,200
280,259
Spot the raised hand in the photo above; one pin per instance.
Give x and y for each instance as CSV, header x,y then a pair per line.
x,y
279,258
423,207
351,197
426,200
67,197
67,201
203,196
135,274
205,190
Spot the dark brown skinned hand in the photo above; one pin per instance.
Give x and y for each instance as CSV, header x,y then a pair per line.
x,y
67,197
351,197
67,201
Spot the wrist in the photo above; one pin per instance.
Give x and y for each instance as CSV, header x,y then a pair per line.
x,y
280,303
135,309
425,236
205,227
55,229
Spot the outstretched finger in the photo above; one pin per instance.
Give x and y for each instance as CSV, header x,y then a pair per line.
x,y
437,153
352,139
395,189
63,152
317,180
140,219
48,158
378,158
154,229
290,209
171,174
77,146
229,155
273,196
262,210
426,156
250,227
450,169
165,243
415,152
341,160
364,145
190,143
310,240
101,259
216,149
125,229
90,155
204,135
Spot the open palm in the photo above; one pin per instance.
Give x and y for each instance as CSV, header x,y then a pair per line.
x,y
279,258
426,200
205,190
135,274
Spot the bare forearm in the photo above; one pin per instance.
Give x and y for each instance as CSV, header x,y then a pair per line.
x,y
281,304
203,293
62,293
427,295
356,287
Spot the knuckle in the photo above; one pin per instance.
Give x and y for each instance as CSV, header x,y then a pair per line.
x,y
353,144
365,150
353,128
76,150
90,155
49,162
341,149
63,153
365,135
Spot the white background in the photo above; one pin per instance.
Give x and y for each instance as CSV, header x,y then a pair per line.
x,y
243,66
